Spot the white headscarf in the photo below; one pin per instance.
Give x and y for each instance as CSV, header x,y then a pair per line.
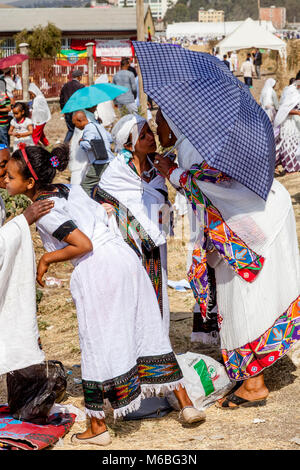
x,y
129,124
288,102
40,109
268,96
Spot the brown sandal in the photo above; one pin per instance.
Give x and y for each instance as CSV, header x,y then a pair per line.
x,y
239,401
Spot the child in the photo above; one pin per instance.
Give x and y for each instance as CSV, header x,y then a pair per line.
x,y
40,115
126,355
21,126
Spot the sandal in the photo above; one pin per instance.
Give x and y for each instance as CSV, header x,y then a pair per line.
x,y
239,401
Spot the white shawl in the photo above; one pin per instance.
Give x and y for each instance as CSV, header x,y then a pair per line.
x,y
18,323
268,97
256,221
40,109
141,198
288,102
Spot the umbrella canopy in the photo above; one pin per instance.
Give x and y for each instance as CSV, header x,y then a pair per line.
x,y
12,60
90,96
213,109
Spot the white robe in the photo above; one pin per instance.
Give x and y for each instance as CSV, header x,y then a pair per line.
x,y
248,310
144,201
18,323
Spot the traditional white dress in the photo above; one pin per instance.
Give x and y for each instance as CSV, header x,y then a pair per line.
x,y
19,333
258,321
268,99
145,200
126,354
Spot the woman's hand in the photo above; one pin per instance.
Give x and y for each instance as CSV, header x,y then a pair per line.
x,y
109,208
42,269
163,164
37,209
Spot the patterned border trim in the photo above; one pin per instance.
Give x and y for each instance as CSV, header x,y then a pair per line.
x,y
122,390
63,191
251,359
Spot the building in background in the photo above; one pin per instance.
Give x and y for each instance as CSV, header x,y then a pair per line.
x,y
210,16
158,7
275,14
78,25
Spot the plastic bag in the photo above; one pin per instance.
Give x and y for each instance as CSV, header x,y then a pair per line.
x,y
206,380
33,390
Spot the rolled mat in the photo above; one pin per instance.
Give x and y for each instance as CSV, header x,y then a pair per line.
x,y
21,435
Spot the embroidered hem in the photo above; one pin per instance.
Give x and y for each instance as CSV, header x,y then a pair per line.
x,y
250,360
151,375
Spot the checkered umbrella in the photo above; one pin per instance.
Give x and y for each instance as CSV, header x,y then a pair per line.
x,y
213,109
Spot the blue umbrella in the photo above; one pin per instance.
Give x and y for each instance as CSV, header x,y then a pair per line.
x,y
90,96
213,109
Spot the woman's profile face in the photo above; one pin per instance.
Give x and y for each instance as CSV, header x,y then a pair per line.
x,y
146,141
165,134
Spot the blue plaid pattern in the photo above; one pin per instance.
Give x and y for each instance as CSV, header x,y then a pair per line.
x,y
213,109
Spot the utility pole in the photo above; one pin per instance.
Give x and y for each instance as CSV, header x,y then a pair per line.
x,y
258,7
141,37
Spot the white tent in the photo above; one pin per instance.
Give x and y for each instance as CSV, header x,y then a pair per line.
x,y
251,34
196,29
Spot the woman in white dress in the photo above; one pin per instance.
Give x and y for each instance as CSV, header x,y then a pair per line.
x,y
125,353
258,300
287,129
131,183
268,98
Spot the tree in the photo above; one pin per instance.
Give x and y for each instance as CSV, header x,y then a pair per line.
x,y
43,42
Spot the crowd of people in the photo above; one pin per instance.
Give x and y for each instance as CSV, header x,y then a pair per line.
x,y
112,223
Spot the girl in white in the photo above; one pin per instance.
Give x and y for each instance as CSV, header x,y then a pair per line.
x,y
21,127
40,114
126,355
145,194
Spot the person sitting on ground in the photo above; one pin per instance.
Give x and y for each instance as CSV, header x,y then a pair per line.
x,y
92,130
21,127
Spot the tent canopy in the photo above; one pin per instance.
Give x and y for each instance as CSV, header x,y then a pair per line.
x,y
198,29
251,34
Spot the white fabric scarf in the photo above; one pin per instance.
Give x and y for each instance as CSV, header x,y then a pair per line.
x,y
288,102
123,184
256,221
129,124
18,323
40,109
268,97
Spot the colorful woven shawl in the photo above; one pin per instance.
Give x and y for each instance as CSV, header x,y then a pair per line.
x,y
216,235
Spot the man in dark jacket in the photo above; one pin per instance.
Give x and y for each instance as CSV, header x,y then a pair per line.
x,y
257,62
66,92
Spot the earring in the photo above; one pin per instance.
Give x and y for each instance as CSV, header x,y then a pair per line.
x,y
170,136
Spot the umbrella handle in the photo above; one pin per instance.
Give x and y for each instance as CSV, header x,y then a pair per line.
x,y
179,141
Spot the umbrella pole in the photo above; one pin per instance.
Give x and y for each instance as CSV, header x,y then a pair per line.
x,y
141,37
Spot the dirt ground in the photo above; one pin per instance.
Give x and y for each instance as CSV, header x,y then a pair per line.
x,y
277,424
